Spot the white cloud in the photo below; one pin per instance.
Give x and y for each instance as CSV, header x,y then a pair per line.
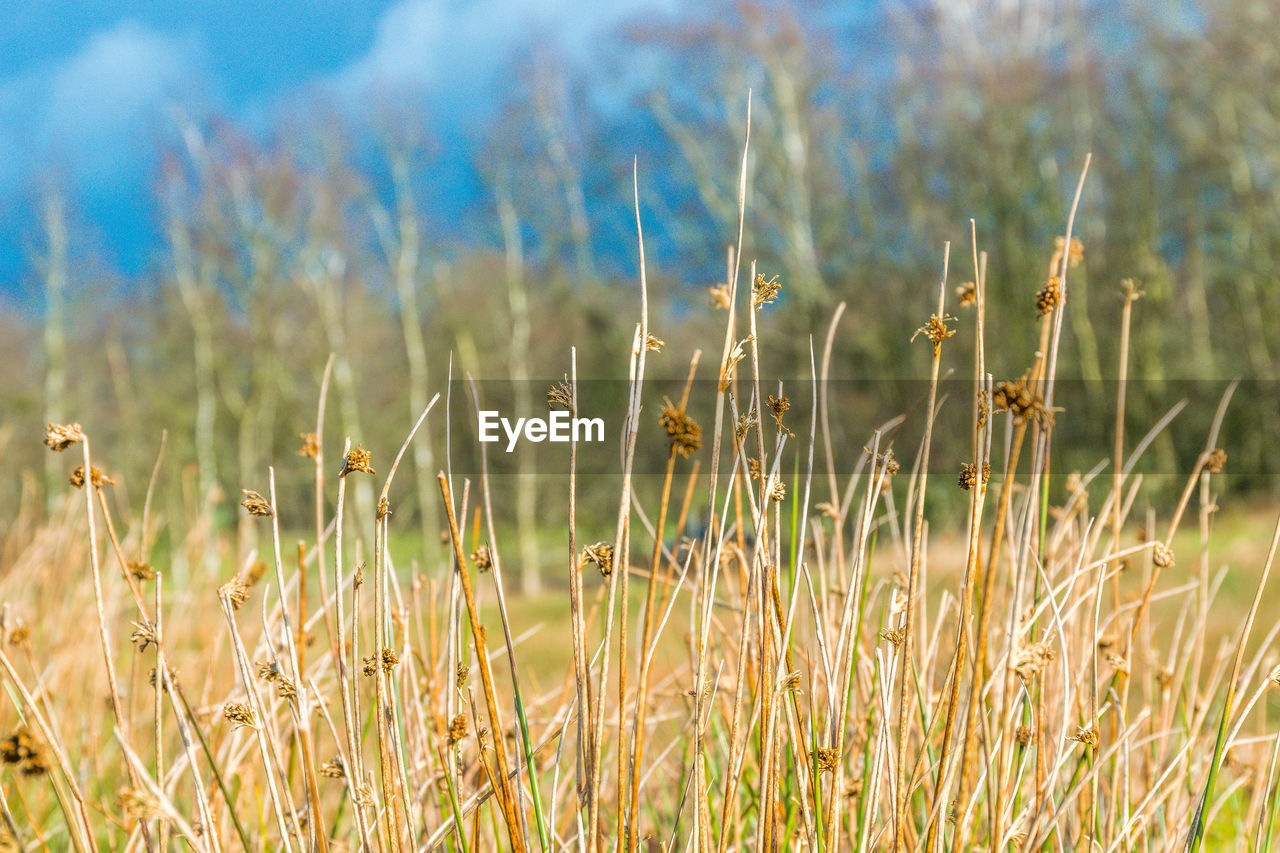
x,y
119,78
97,107
436,45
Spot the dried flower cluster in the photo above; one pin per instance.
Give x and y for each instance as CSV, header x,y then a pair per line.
x,y
684,431
137,803
1088,738
141,571
1048,297
96,477
310,445
602,555
235,591
59,437
778,407
1032,660
1017,399
357,459
936,330
144,635
764,291
482,558
23,751
560,396
387,659
457,729
256,504
1074,251
239,714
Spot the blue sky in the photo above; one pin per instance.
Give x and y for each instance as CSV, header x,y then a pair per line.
x,y
88,87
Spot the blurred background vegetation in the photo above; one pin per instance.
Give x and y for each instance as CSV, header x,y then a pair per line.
x,y
872,144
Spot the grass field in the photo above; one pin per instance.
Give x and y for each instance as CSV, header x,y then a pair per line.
x,y
1087,668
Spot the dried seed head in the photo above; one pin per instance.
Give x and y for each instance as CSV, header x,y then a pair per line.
x,y
286,689
789,683
1118,663
560,396
333,768
779,406
984,409
19,634
684,431
137,804
255,503
654,344
967,293
1215,460
1017,399
21,749
753,468
894,636
144,634
720,296
235,591
59,437
1032,660
1048,297
827,758
483,558
269,670
358,459
141,571
387,659
885,461
257,571
310,445
170,677
1074,250
1022,734
239,714
384,508
602,555
96,477
779,491
457,729
744,423
1162,556
730,366
1086,737
460,675
936,330
763,292
968,476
